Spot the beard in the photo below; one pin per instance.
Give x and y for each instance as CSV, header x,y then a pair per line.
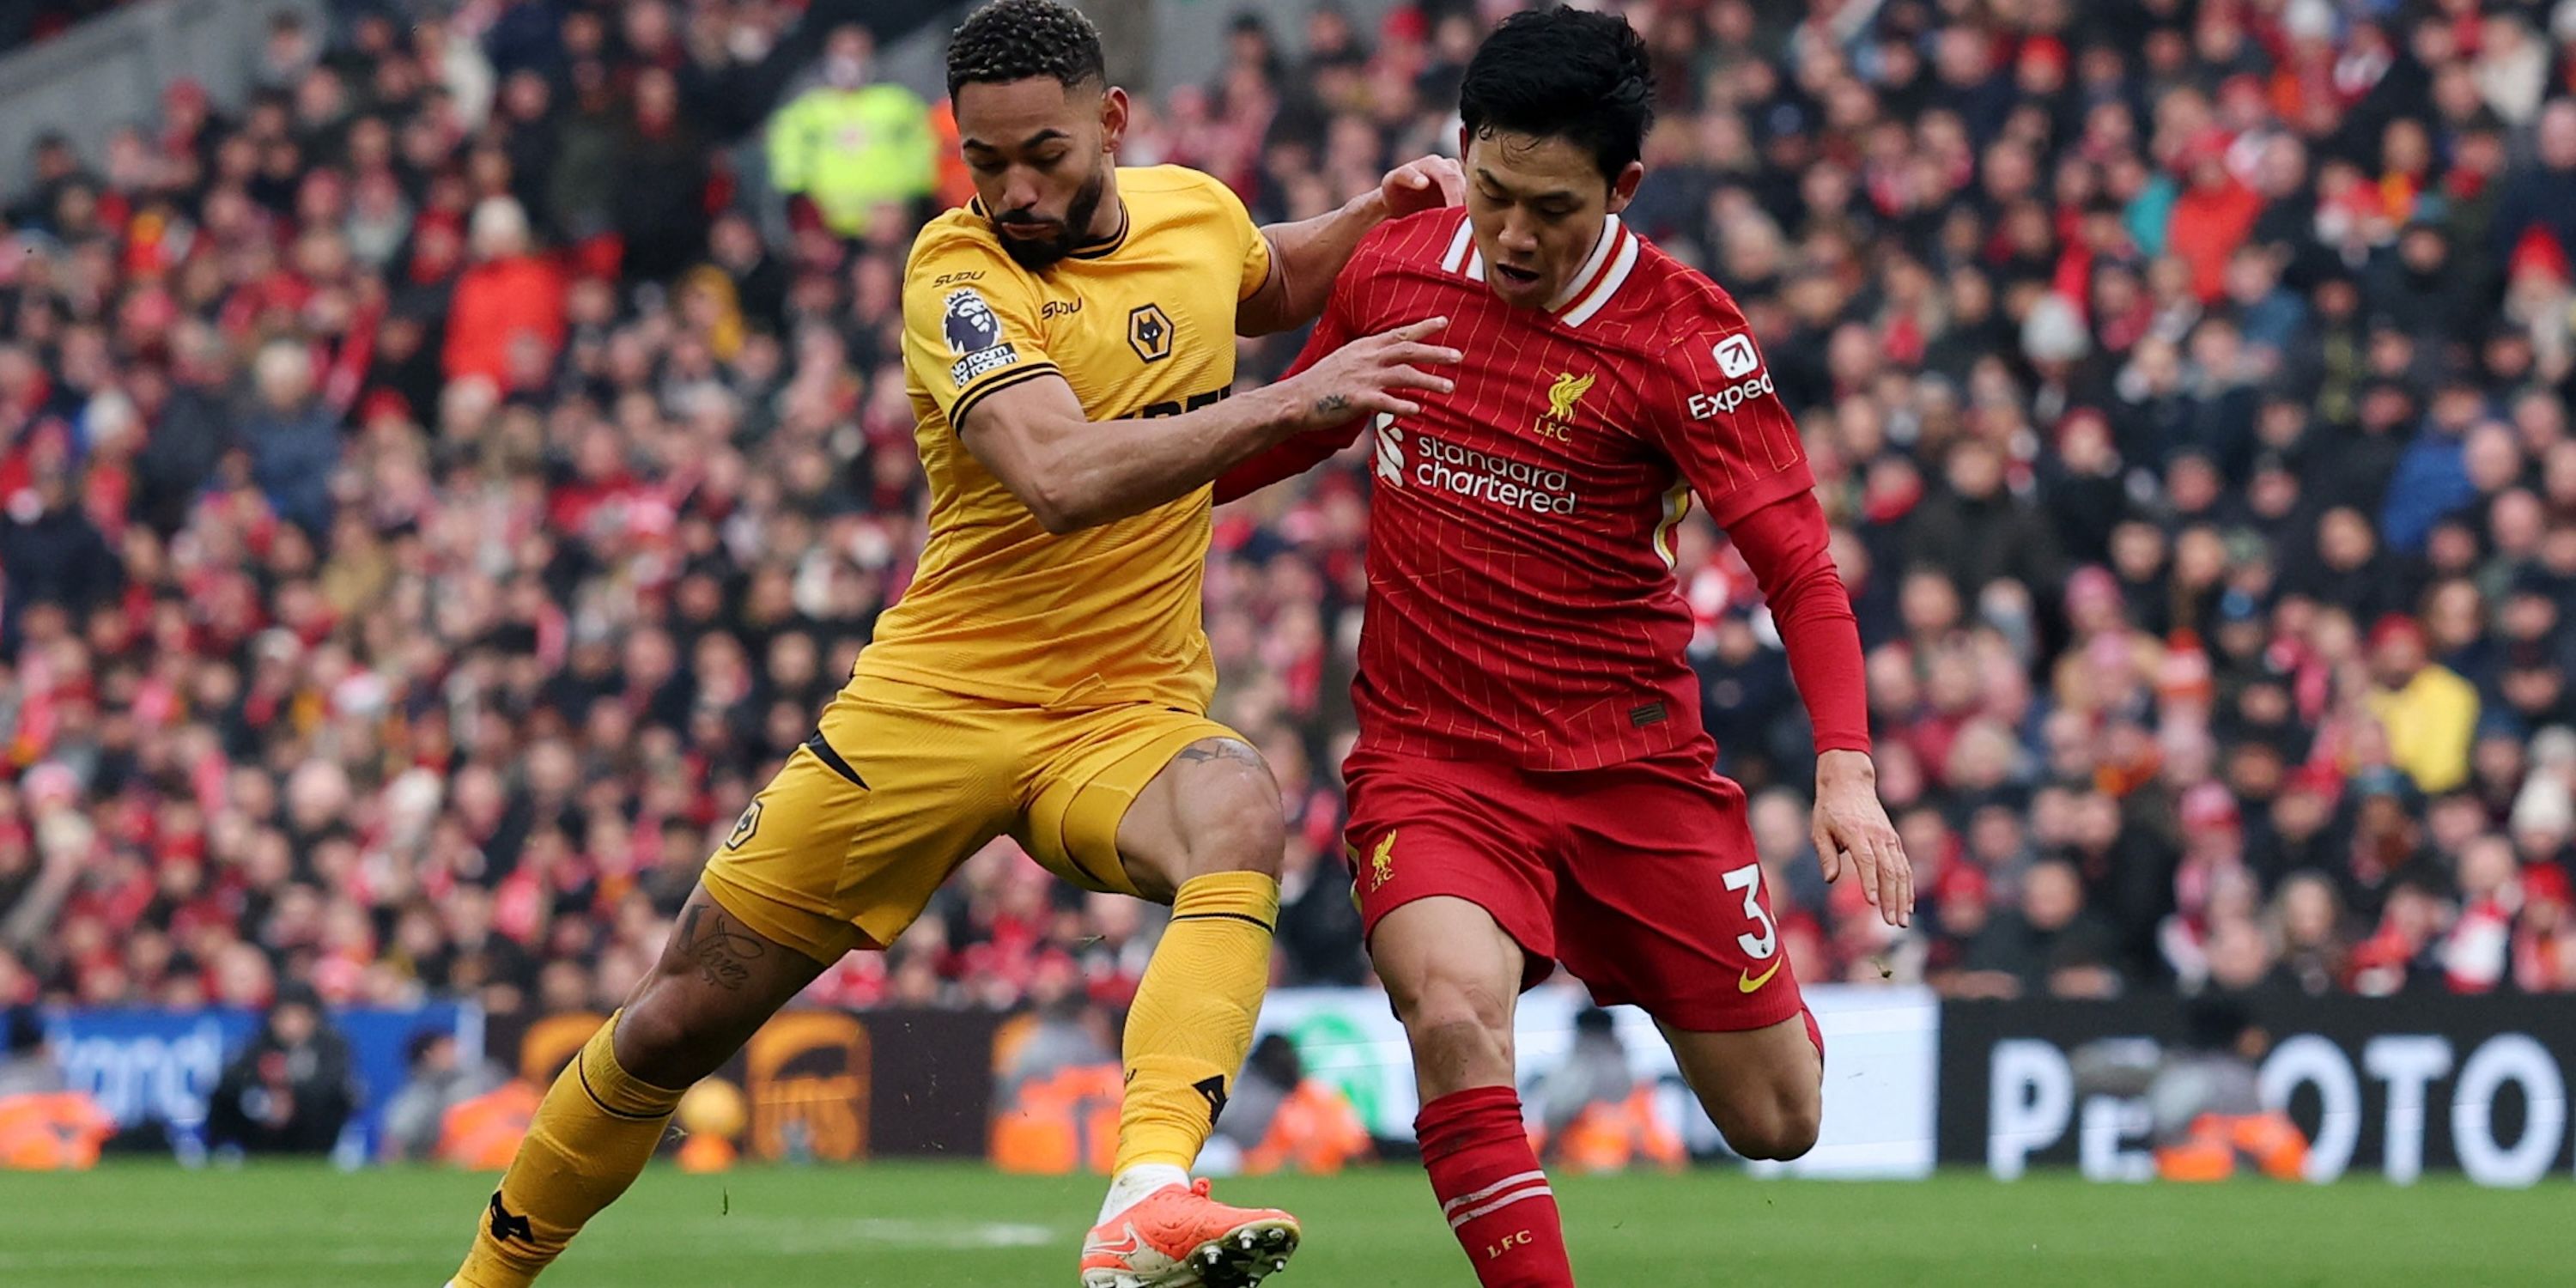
x,y
1040,253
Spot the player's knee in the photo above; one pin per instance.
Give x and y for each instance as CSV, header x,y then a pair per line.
x,y
1782,1126
1457,1023
1786,1137
1235,822
1252,839
653,1040
670,1035
1445,989
1474,1049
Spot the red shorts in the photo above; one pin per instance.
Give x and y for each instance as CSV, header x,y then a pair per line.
x,y
1641,878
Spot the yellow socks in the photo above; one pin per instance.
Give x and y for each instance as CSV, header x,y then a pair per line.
x,y
592,1135
1187,1036
1191,1025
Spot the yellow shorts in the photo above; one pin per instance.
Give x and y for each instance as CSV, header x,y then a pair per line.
x,y
903,782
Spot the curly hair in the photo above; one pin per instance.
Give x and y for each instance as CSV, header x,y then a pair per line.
x,y
1563,73
1010,40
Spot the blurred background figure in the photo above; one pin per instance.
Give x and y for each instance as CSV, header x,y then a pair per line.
x,y
440,1080
855,152
1281,1119
1057,1082
27,1063
1592,1113
2203,1094
44,1126
289,1091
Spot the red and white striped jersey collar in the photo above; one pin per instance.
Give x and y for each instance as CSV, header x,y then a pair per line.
x,y
1613,257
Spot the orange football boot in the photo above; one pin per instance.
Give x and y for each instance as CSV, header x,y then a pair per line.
x,y
1178,1237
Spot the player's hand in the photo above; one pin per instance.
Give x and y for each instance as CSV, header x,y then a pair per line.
x,y
1852,832
1427,183
1372,375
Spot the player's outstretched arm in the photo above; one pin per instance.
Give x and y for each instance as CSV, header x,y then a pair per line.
x,y
1073,473
1305,256
1721,421
1313,447
1785,544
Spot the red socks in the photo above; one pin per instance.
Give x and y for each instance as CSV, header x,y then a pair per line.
x,y
1496,1199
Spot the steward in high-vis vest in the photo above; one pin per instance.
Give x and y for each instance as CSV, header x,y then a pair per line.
x,y
852,148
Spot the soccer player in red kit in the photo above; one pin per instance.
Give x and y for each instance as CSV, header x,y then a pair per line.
x,y
1532,783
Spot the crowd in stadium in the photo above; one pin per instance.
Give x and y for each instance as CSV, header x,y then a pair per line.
x,y
437,492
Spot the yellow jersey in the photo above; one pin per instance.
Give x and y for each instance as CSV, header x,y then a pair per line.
x,y
1141,324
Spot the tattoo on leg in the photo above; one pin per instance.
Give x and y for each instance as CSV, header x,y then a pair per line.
x,y
1213,749
723,955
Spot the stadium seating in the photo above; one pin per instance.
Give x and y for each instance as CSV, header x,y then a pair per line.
x,y
435,494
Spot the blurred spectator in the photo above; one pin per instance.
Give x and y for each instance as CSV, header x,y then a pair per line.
x,y
292,439
507,321
2049,945
2213,216
2206,1098
1270,1074
1977,532
2427,711
2544,938
1056,1098
2387,843
1068,1033
449,427
1592,1114
290,1090
1317,921
1279,1119
2477,954
44,1126
2403,955
54,553
2541,198
659,202
2308,923
440,1079
27,1064
860,152
1595,1072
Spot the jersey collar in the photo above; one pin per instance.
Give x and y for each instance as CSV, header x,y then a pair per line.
x,y
1589,276
1613,255
1102,247
1097,248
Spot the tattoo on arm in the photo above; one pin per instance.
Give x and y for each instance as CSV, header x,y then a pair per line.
x,y
1332,405
1213,749
723,955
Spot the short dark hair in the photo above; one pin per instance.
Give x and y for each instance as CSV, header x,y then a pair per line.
x,y
1563,73
424,1042
1010,40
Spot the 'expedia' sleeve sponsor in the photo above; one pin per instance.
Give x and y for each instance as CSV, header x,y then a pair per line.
x,y
1722,422
970,322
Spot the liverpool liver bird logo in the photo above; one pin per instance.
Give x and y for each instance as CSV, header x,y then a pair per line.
x,y
1567,391
1382,862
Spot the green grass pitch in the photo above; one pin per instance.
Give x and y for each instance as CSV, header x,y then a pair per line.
x,y
280,1226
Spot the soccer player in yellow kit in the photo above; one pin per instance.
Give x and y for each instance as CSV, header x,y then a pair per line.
x,y
1069,347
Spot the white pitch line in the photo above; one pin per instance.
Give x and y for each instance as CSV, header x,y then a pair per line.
x,y
776,1235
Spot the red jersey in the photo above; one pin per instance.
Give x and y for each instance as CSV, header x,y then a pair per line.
x,y
1521,598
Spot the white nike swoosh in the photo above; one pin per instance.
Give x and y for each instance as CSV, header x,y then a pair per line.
x,y
1125,1247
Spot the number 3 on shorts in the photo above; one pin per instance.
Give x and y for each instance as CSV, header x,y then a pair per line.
x,y
1749,880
